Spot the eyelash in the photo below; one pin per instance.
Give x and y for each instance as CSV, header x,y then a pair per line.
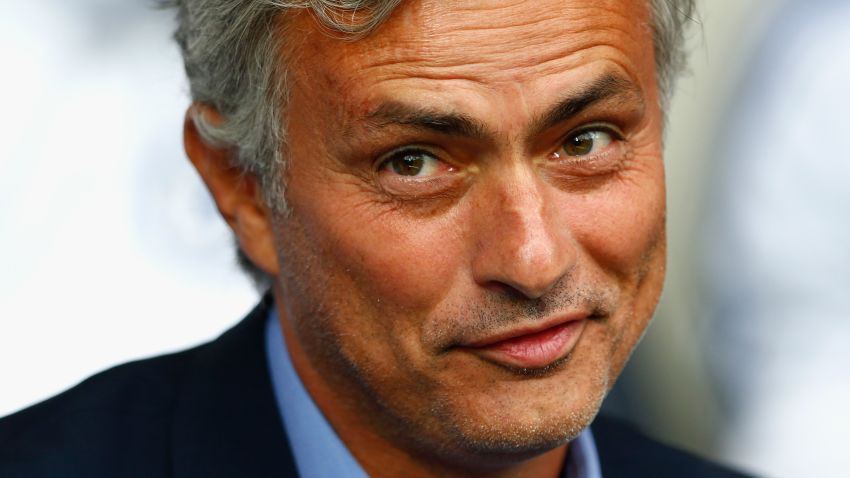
x,y
384,159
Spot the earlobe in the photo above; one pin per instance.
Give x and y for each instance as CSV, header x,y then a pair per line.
x,y
235,193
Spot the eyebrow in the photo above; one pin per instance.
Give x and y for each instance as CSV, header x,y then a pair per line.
x,y
608,86
447,123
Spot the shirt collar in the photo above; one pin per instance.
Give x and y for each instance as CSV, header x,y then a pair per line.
x,y
318,450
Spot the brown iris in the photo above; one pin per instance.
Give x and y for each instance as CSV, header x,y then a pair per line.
x,y
579,145
408,164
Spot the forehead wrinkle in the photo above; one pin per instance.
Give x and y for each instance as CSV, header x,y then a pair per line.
x,y
471,72
435,40
493,64
446,28
441,18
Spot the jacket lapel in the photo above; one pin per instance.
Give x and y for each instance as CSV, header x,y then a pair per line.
x,y
226,422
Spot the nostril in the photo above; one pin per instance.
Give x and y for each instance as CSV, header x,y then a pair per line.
x,y
512,292
499,287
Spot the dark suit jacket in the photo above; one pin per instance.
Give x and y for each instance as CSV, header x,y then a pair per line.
x,y
209,412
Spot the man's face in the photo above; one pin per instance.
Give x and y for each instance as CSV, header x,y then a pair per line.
x,y
476,238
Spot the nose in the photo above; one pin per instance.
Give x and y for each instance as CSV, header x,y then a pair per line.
x,y
524,244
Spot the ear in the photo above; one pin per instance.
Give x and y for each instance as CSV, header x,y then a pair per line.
x,y
237,194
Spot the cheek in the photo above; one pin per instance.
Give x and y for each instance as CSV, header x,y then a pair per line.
x,y
622,225
395,266
415,265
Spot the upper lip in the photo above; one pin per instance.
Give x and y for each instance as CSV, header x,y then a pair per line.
x,y
525,329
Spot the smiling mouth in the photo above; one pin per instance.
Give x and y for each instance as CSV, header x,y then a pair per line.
x,y
532,350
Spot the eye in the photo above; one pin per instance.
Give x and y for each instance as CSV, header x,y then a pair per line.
x,y
413,163
593,151
587,142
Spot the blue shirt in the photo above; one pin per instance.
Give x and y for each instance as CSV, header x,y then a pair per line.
x,y
317,449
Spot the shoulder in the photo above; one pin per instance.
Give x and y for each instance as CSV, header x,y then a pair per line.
x,y
626,452
207,411
105,420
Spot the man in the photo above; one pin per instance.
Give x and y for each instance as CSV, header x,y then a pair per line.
x,y
459,209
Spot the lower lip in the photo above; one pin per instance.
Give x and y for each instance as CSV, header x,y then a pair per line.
x,y
534,351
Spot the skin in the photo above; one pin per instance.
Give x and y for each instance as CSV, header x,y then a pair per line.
x,y
381,278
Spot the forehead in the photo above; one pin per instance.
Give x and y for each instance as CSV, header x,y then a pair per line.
x,y
435,49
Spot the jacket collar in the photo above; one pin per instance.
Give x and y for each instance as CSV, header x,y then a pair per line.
x,y
225,420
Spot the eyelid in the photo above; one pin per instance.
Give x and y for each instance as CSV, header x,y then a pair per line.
x,y
384,158
614,131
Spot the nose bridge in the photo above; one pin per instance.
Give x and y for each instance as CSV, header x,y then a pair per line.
x,y
524,243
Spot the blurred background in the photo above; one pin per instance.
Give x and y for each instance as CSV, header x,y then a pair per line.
x,y
112,250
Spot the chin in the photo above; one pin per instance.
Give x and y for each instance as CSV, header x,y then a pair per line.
x,y
508,421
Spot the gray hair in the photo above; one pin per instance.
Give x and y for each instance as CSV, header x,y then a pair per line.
x,y
231,50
